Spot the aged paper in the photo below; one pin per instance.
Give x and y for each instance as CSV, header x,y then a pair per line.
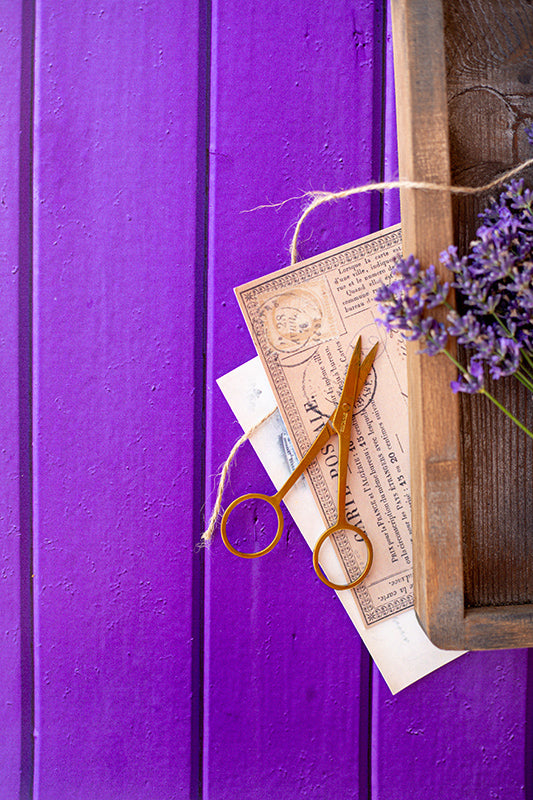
x,y
398,645
305,320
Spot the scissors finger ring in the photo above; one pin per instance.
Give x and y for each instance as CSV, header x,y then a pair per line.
x,y
339,587
271,500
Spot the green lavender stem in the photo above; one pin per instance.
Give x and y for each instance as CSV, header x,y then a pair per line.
x,y
528,358
506,411
524,380
527,372
491,398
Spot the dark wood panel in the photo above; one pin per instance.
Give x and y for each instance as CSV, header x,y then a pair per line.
x,y
464,96
446,734
489,70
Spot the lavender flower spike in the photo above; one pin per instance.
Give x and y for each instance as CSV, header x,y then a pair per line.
x,y
493,285
471,381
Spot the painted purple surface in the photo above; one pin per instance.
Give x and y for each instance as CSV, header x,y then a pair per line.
x,y
461,731
15,654
153,681
115,327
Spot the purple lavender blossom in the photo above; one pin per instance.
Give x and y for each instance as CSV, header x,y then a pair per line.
x,y
404,301
505,358
435,336
472,381
494,288
494,283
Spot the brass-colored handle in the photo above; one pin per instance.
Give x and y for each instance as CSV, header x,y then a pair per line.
x,y
254,496
370,556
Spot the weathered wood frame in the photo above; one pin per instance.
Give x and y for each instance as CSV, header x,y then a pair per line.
x,y
435,412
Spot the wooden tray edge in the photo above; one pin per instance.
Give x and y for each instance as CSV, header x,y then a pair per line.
x,y
427,227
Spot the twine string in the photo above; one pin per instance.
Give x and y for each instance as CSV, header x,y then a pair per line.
x,y
207,535
318,198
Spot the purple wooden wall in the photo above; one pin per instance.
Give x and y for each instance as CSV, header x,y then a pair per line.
x,y
135,666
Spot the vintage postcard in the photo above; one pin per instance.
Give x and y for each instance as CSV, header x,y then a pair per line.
x,y
305,320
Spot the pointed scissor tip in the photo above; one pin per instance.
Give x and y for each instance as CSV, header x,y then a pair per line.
x,y
366,366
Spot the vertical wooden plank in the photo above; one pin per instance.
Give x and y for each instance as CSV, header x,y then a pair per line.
x,y
391,204
462,489
296,103
492,83
15,541
427,230
115,181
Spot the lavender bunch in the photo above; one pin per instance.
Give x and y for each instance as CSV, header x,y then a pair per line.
x,y
494,292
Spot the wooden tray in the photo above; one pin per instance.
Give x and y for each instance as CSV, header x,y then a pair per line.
x,y
464,85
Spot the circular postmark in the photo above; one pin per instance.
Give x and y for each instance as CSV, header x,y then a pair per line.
x,y
292,319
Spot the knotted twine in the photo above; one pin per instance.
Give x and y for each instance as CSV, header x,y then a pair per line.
x,y
315,199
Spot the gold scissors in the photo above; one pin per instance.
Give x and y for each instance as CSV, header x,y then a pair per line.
x,y
339,423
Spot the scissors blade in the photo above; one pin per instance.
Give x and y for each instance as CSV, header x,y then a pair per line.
x,y
365,368
356,376
348,394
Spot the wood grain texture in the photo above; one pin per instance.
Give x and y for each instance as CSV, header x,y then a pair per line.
x,y
114,346
489,58
461,731
427,229
296,99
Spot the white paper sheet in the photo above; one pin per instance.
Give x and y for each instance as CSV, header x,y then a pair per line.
x,y
398,645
